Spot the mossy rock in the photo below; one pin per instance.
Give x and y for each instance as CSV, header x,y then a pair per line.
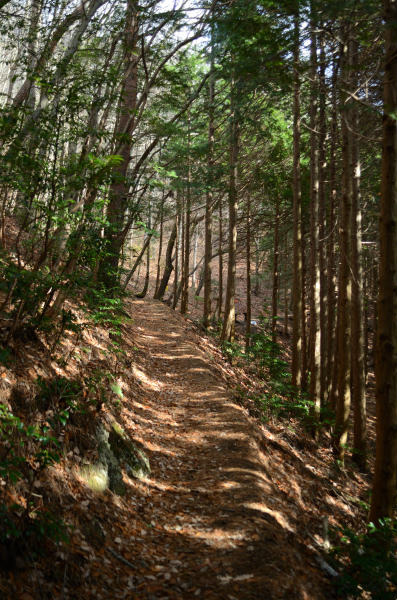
x,y
116,451
134,460
109,462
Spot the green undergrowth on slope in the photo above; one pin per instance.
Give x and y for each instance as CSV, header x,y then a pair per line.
x,y
275,396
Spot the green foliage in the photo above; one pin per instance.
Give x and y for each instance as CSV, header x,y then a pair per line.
x,y
14,437
367,562
231,350
18,463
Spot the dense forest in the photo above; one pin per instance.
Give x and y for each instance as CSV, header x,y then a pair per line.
x,y
219,169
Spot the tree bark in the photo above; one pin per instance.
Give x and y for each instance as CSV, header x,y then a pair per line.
x,y
185,269
168,262
297,225
160,247
248,246
220,277
323,225
384,486
315,332
331,270
208,202
275,271
228,330
345,291
118,192
358,356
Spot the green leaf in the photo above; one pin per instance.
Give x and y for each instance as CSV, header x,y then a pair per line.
x,y
117,389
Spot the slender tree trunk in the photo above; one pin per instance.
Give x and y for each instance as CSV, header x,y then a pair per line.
x,y
230,308
248,246
315,332
208,203
385,479
138,260
345,291
366,337
220,281
374,309
275,271
143,293
323,227
358,357
196,236
178,249
160,248
297,233
331,275
168,262
304,325
185,270
257,282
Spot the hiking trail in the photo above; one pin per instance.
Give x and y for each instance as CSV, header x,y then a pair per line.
x,y
210,504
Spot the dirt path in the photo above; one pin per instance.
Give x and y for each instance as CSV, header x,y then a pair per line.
x,y
210,501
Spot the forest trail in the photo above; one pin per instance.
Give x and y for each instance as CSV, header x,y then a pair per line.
x,y
212,503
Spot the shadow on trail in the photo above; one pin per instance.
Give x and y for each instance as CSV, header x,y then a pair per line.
x,y
214,500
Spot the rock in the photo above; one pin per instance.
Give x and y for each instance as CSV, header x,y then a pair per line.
x,y
109,461
115,451
134,460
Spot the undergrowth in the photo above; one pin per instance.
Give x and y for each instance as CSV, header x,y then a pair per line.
x,y
367,562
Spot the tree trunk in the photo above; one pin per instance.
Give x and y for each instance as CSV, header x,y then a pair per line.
x,y
185,269
208,204
385,478
168,262
358,357
220,280
315,332
331,274
228,329
118,192
248,246
297,225
275,272
345,291
138,261
160,248
304,326
178,249
196,236
323,227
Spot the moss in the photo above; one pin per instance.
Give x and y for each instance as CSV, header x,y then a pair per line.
x,y
116,451
134,460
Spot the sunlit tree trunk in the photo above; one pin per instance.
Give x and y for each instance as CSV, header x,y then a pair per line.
x,y
345,291
230,309
315,333
331,270
168,262
160,247
358,357
322,225
297,225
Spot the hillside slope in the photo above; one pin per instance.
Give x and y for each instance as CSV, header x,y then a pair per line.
x,y
213,519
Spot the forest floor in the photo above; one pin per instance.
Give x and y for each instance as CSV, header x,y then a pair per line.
x,y
234,506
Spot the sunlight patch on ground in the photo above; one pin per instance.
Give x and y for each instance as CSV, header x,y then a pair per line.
x,y
281,520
